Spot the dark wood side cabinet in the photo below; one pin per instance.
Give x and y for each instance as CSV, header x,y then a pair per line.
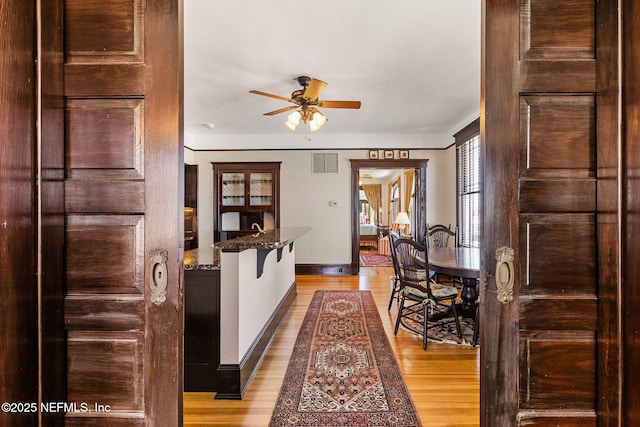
x,y
201,329
244,194
190,207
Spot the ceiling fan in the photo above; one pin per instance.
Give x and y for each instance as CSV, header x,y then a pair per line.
x,y
307,103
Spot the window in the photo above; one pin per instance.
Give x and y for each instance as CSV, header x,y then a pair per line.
x,y
367,212
395,201
412,211
469,184
410,193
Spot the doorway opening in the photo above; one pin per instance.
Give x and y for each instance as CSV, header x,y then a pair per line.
x,y
419,200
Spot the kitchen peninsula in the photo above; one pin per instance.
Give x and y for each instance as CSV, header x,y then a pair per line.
x,y
236,294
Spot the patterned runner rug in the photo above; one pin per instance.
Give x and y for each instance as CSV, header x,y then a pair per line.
x,y
342,371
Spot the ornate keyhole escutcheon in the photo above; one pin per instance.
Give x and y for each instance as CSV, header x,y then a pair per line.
x,y
158,282
504,274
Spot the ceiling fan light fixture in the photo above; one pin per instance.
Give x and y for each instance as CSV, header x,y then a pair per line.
x,y
319,118
317,121
306,99
293,120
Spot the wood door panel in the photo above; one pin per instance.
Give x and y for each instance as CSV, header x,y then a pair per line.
x,y
556,370
560,254
89,196
558,313
558,76
546,33
106,368
559,195
91,80
557,46
105,254
558,135
115,313
575,419
113,422
105,134
96,33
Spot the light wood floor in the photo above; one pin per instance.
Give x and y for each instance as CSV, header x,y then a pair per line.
x,y
443,380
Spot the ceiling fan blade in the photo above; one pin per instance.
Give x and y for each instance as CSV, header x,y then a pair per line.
x,y
314,89
282,110
282,98
339,104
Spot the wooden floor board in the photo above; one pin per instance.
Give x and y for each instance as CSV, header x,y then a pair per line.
x,y
443,380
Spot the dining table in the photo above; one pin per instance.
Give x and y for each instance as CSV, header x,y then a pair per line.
x,y
459,262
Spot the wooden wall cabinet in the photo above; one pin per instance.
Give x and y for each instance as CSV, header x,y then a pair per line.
x,y
190,207
244,194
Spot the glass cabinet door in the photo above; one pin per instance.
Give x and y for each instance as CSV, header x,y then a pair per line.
x,y
232,189
261,189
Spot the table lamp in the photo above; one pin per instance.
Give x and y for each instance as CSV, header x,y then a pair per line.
x,y
403,220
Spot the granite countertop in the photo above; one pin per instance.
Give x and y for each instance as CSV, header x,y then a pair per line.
x,y
206,258
270,239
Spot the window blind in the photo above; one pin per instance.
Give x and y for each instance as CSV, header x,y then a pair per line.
x,y
469,185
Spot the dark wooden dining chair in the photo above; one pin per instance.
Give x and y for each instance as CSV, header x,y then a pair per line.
x,y
395,287
419,296
476,326
441,236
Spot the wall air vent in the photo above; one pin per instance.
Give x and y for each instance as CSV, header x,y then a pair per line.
x,y
324,163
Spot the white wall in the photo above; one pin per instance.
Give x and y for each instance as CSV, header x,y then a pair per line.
x,y
297,141
441,187
248,301
305,197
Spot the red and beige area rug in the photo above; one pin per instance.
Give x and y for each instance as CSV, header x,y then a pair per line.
x,y
342,371
375,260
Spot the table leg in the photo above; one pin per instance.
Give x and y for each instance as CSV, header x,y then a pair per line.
x,y
468,302
468,298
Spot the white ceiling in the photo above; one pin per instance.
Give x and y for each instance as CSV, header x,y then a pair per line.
x,y
414,64
371,174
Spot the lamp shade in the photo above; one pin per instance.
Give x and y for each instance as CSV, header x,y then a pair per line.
x,y
317,121
402,218
294,118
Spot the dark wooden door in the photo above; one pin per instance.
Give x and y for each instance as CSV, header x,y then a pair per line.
x,y
123,206
630,232
31,213
549,135
18,224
